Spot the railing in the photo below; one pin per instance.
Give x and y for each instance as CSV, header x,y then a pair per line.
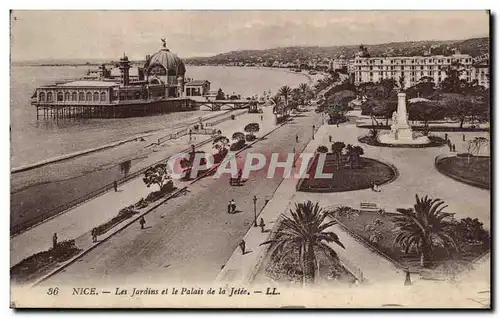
x,y
20,228
218,121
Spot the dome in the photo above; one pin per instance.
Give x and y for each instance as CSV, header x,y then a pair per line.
x,y
170,62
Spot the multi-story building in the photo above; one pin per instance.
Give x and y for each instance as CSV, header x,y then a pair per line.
x,y
481,73
412,68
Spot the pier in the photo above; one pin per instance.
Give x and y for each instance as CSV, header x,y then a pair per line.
x,y
117,109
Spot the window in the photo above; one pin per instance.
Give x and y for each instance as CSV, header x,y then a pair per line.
x,y
96,96
88,97
67,96
74,97
371,68
81,96
380,73
42,96
103,96
60,97
371,74
50,96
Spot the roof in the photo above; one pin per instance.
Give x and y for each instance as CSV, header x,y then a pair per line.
x,y
197,83
89,84
168,60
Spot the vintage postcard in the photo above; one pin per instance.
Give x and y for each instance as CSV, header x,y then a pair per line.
x,y
250,159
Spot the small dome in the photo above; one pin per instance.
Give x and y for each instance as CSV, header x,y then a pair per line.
x,y
172,64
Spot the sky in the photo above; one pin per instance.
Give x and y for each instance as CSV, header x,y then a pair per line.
x,y
107,35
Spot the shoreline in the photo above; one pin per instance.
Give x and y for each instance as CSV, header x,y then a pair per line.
x,y
107,146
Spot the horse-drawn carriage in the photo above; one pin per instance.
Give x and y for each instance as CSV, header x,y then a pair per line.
x,y
235,181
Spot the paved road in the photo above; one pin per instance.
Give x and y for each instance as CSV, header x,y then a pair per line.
x,y
188,239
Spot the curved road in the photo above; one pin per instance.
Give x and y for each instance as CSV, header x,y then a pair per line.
x,y
189,238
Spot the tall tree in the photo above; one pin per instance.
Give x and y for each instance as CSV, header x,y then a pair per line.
x,y
424,228
305,231
157,175
285,91
337,148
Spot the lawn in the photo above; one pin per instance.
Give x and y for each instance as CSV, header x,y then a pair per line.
x,y
347,178
475,171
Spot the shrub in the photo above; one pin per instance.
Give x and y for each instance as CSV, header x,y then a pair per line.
x,y
237,145
250,137
322,149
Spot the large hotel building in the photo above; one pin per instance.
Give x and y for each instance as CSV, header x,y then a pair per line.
x,y
413,68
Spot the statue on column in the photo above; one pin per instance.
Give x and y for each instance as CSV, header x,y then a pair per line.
x,y
164,42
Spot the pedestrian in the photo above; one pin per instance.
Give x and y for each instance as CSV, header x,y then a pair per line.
x,y
229,207
454,150
337,124
330,138
296,138
233,206
115,185
242,247
54,240
142,222
446,136
261,117
94,234
262,225
463,137
407,278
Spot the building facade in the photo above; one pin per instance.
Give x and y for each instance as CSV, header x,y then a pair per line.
x,y
412,68
481,73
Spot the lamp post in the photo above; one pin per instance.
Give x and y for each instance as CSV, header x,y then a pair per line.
x,y
314,128
255,211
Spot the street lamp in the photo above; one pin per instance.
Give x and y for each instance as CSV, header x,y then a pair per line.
x,y
255,211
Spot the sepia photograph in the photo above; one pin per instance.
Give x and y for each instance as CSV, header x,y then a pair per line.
x,y
250,159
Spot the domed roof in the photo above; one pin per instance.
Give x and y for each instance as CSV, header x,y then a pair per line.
x,y
170,61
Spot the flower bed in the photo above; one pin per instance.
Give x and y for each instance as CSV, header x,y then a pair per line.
x,y
347,179
435,142
475,170
40,263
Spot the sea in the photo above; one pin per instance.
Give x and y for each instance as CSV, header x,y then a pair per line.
x,y
34,140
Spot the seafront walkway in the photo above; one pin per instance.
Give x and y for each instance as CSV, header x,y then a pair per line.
x,y
78,222
417,175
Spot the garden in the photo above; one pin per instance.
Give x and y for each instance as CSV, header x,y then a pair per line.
x,y
350,171
301,254
447,248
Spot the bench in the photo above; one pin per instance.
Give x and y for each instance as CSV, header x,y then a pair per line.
x,y
370,207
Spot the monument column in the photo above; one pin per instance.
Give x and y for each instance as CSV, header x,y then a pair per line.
x,y
402,116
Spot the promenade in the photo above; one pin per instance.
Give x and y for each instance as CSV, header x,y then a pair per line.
x,y
79,221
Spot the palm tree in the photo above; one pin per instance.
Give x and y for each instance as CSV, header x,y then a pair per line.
x,y
305,231
285,91
424,227
304,89
353,154
337,148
